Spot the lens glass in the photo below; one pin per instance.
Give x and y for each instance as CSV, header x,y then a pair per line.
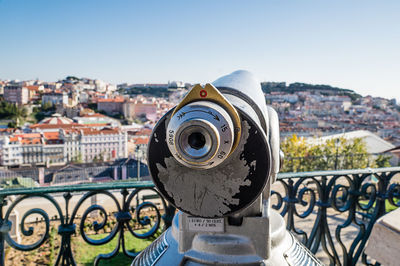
x,y
196,140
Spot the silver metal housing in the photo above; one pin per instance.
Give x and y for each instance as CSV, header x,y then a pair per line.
x,y
237,245
200,135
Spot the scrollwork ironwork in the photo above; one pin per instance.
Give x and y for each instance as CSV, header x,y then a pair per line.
x,y
352,199
358,196
122,218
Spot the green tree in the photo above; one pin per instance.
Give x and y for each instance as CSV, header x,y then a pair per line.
x,y
19,114
48,106
337,153
12,125
382,161
14,112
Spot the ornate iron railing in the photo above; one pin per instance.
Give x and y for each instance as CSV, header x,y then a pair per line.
x,y
329,202
128,207
339,209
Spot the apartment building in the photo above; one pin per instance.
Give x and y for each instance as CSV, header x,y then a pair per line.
x,y
55,98
105,144
16,93
72,147
32,149
86,144
111,106
11,151
134,108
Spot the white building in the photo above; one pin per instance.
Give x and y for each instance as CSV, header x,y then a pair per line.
x,y
55,98
105,144
86,144
83,97
72,144
291,98
33,149
100,85
10,151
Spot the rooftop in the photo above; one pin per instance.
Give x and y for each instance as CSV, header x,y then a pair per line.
x,y
56,119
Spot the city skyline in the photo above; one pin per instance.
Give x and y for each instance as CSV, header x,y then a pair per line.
x,y
349,45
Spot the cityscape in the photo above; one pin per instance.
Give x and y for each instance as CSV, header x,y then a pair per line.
x,y
49,127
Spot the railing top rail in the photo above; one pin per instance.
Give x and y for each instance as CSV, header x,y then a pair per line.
x,y
337,172
142,184
78,187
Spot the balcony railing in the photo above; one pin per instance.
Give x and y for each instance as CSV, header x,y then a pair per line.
x,y
137,207
332,212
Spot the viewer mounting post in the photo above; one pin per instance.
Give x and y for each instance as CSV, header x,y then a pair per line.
x,y
214,157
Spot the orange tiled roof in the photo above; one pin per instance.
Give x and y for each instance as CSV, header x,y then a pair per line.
x,y
26,141
97,125
29,135
115,100
140,141
143,131
104,131
13,139
52,126
28,138
33,87
51,135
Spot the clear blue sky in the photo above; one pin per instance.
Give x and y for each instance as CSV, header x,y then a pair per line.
x,y
351,44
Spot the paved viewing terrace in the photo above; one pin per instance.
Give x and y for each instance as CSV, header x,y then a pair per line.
x,y
331,212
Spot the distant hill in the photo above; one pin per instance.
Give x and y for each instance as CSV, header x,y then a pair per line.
x,y
269,87
147,91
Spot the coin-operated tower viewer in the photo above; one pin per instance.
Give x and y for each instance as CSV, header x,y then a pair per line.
x,y
214,157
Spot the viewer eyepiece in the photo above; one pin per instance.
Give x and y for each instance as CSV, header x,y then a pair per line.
x,y
196,140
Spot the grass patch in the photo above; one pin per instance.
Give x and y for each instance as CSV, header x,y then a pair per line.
x,y
85,254
388,206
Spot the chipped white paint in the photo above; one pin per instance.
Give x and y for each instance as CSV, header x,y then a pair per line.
x,y
207,193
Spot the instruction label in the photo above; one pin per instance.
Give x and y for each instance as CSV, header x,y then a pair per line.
x,y
205,225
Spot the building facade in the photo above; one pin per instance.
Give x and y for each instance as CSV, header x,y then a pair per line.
x,y
11,151
16,93
136,108
55,98
32,149
111,106
80,144
103,145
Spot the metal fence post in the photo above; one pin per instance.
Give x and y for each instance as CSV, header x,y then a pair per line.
x,y
5,227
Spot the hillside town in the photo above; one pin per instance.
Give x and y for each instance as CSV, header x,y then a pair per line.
x,y
82,120
313,113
